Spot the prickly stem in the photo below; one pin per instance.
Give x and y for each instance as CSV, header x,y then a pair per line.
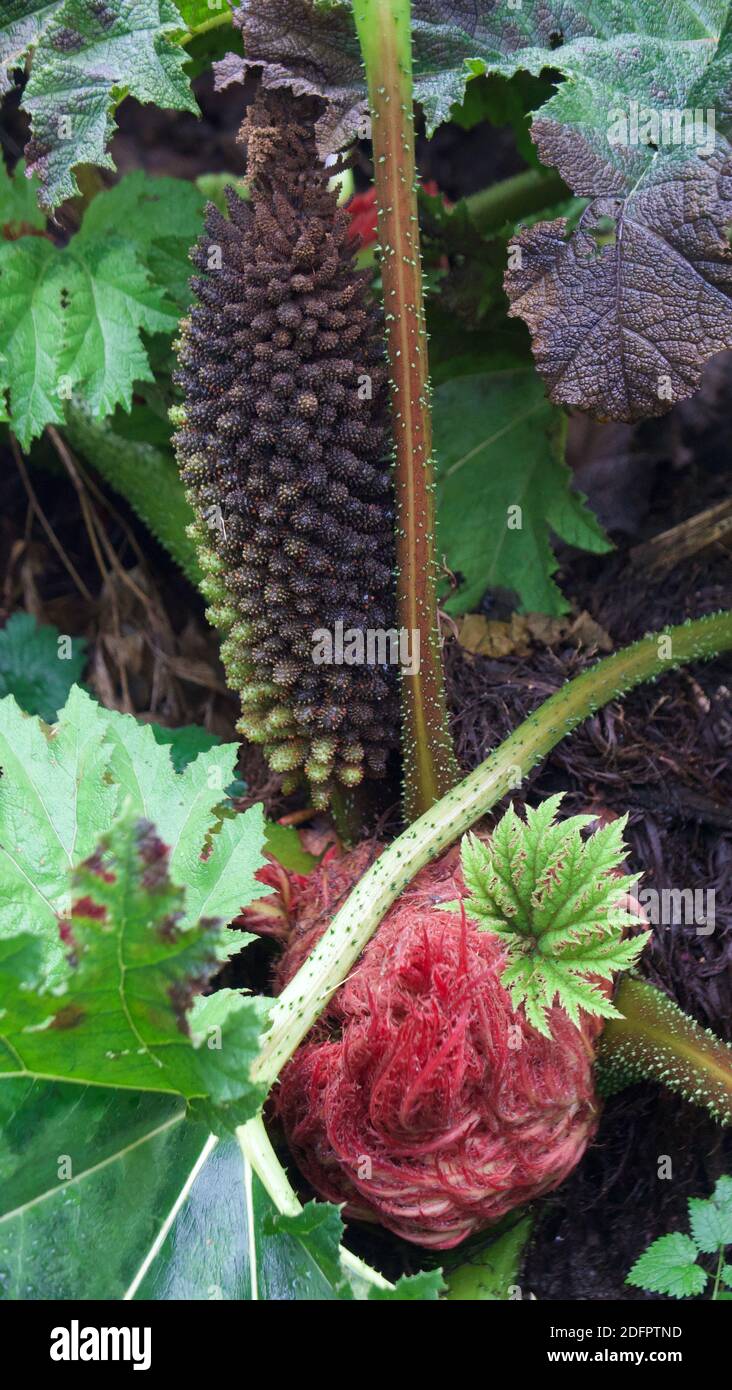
x,y
383,26
656,1041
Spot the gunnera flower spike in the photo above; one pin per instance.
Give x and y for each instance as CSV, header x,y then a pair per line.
x,y
284,448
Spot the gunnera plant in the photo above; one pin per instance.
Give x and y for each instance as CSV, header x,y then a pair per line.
x,y
284,449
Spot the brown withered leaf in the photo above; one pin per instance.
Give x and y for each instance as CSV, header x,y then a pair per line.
x,y
309,48
625,312
490,637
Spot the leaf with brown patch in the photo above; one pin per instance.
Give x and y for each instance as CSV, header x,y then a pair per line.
x,y
118,1017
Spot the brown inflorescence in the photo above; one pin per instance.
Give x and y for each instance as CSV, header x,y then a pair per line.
x,y
423,1100
284,447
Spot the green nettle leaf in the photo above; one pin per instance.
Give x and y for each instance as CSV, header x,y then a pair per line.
x,y
711,1221
669,1266
62,787
500,442
553,899
38,665
625,310
117,1016
86,57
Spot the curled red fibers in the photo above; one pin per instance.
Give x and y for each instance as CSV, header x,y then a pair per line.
x,y
422,1100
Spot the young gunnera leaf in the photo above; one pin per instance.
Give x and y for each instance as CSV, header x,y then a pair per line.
x,y
38,665
553,899
670,1265
85,57
625,310
73,316
500,442
61,789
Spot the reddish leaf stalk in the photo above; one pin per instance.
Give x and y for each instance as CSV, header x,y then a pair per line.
x,y
384,33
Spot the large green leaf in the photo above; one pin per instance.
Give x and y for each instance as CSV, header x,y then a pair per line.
x,y
111,1195
88,1179
62,788
313,43
503,485
106,1195
86,55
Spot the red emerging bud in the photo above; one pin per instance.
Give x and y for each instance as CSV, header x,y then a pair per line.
x,y
423,1100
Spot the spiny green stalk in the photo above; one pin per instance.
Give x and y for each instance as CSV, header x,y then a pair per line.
x,y
655,1040
300,1004
385,36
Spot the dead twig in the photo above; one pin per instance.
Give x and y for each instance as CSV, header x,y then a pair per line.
x,y
45,523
